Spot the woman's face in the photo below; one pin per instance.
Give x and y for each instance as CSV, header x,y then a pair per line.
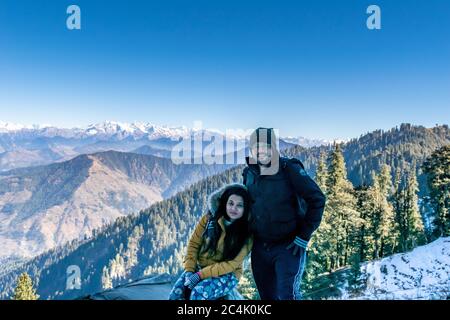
x,y
235,207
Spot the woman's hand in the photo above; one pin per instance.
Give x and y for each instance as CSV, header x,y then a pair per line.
x,y
187,275
192,280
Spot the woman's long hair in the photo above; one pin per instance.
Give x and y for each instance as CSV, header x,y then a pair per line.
x,y
237,233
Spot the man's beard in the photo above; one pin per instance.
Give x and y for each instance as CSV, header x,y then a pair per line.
x,y
265,164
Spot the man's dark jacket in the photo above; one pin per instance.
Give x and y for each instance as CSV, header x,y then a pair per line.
x,y
275,207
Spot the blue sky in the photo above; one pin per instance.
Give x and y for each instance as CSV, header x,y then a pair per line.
x,y
309,68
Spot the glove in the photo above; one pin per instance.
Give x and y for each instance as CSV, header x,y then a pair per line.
x,y
192,280
187,274
298,244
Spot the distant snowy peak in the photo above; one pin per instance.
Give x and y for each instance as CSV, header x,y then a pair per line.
x,y
112,127
104,129
306,142
137,130
11,127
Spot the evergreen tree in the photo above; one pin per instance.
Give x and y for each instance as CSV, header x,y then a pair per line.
x,y
106,279
355,272
398,199
416,234
438,178
365,238
319,260
321,172
382,220
340,217
24,289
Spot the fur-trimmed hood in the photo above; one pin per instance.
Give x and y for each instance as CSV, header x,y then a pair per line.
x,y
214,198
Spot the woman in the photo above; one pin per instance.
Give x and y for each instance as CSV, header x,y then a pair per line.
x,y
217,248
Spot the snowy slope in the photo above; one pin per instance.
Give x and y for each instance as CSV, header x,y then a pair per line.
x,y
423,273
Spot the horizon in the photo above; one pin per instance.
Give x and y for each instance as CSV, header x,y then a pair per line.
x,y
37,126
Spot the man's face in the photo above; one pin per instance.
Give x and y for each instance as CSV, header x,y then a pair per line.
x,y
262,152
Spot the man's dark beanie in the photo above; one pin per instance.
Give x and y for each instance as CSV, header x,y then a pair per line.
x,y
263,135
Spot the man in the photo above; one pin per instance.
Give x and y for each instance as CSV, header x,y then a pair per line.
x,y
277,185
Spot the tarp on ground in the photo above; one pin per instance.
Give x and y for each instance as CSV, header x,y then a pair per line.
x,y
147,288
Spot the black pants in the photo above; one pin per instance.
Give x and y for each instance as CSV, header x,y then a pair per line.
x,y
277,272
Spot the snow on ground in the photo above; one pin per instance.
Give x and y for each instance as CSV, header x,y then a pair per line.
x,y
423,273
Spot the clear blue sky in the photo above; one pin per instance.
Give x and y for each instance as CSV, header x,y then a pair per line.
x,y
309,68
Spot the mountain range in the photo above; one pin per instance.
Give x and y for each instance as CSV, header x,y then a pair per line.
x,y
23,146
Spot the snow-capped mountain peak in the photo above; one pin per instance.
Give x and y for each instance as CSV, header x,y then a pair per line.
x,y
11,127
111,128
136,130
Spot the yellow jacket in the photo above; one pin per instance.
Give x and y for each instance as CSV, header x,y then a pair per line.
x,y
213,266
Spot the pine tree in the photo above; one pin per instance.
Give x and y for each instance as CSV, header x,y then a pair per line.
x,y
388,229
321,173
319,261
398,199
438,178
355,273
340,214
416,235
106,279
365,237
383,218
24,289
